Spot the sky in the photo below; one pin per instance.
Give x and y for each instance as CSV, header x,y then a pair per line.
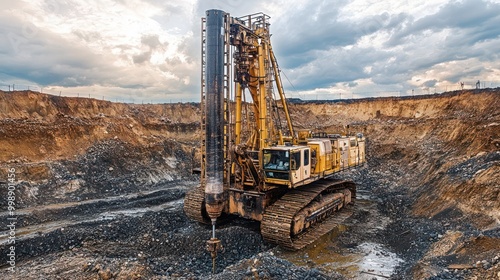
x,y
149,50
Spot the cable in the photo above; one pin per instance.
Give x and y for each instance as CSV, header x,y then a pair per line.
x,y
300,96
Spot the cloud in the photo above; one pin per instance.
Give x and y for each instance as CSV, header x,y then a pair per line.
x,y
141,58
46,58
150,44
429,83
152,41
76,54
314,28
151,48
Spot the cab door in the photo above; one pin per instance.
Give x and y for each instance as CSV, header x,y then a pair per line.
x,y
296,164
306,163
301,165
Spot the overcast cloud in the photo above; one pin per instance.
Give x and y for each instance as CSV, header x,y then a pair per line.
x,y
149,50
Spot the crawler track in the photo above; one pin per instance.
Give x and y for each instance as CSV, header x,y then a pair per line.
x,y
277,221
194,205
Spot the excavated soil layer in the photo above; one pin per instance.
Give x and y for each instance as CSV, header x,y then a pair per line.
x,y
99,190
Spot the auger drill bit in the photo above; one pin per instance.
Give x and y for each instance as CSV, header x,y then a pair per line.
x,y
214,246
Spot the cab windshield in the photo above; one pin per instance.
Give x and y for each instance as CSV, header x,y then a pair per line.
x,y
276,160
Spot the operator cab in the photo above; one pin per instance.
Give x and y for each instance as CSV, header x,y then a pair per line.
x,y
286,165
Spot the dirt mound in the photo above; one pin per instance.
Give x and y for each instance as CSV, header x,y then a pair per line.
x,y
37,126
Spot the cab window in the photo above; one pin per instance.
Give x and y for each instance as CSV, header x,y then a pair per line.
x,y
276,160
296,160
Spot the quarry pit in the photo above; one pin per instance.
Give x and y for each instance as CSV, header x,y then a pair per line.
x,y
99,190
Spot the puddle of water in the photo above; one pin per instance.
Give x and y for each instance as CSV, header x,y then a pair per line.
x,y
323,254
366,261
376,260
320,252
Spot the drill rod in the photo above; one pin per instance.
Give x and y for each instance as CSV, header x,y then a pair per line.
x,y
214,246
213,255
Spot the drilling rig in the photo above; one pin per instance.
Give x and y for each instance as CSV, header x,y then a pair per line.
x,y
253,163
